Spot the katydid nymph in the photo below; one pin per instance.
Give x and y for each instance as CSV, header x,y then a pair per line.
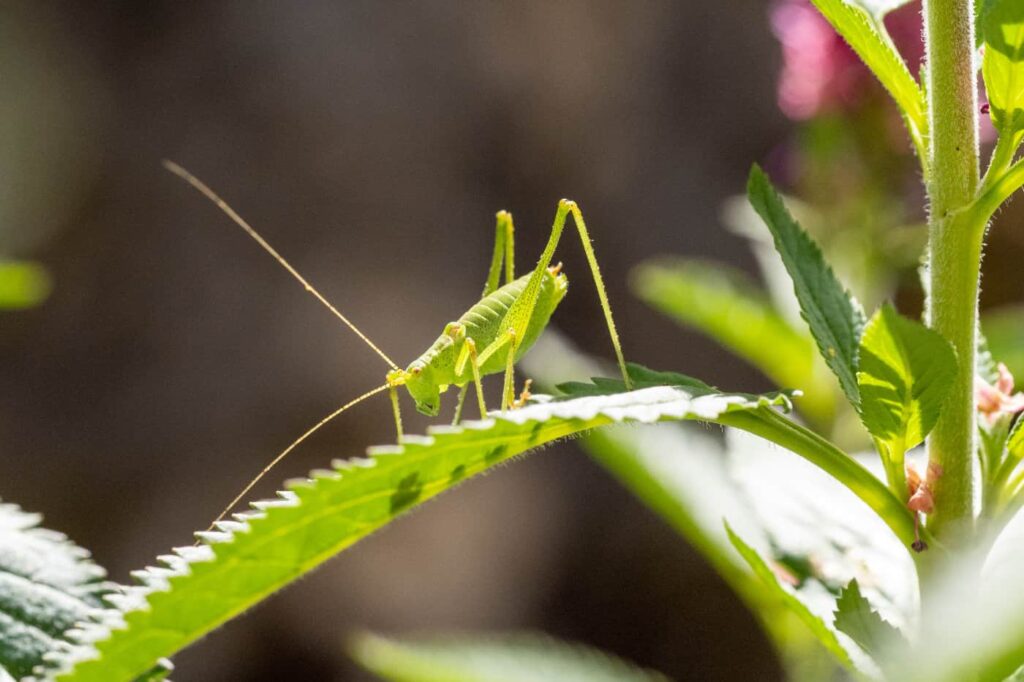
x,y
489,338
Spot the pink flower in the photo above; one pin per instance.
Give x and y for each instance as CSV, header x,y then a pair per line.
x,y
995,401
820,72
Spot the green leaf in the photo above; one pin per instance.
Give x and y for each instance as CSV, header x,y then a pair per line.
x,y
788,597
1015,441
833,315
22,285
1004,333
981,10
247,559
492,658
866,34
48,589
856,618
726,306
906,370
1003,65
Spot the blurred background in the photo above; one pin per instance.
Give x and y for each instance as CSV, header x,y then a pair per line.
x,y
372,143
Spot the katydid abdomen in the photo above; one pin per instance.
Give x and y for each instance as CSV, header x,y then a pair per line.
x,y
431,373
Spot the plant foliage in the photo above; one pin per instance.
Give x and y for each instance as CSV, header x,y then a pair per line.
x,y
833,315
244,560
48,587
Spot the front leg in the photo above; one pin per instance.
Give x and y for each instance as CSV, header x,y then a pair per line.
x,y
508,390
467,353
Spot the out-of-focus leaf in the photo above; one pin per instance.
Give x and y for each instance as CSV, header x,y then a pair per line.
x,y
787,596
725,305
1003,64
492,658
906,370
834,317
814,521
856,618
974,629
22,285
1004,332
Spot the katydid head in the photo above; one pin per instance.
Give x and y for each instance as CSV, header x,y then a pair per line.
x,y
424,390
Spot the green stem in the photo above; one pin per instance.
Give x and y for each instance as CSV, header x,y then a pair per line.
x,y
954,252
772,426
998,190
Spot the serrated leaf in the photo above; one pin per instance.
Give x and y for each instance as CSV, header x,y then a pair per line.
x,y
1015,441
833,315
1003,64
788,597
723,304
492,658
906,371
856,618
246,560
866,35
47,587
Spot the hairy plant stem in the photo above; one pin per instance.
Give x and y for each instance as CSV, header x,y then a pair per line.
x,y
955,236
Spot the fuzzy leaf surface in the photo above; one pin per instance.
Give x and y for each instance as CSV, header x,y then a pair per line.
x,y
906,370
47,586
1003,64
247,559
491,658
833,315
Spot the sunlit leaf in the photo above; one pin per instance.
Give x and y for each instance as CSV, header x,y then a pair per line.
x,y
833,315
906,371
1003,64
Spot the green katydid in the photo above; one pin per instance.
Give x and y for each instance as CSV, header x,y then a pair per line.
x,y
488,338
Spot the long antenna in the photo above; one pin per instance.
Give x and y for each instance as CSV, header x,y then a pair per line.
x,y
222,205
274,462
